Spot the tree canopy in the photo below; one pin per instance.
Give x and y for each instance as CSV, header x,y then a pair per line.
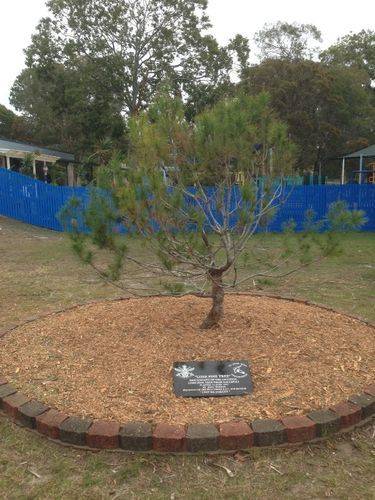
x,y
328,110
93,64
68,108
288,41
13,126
356,50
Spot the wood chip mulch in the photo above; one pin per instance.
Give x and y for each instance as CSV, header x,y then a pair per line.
x,y
113,360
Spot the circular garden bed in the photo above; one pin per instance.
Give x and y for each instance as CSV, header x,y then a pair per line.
x,y
109,365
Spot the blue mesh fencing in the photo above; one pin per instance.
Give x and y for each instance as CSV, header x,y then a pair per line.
x,y
34,202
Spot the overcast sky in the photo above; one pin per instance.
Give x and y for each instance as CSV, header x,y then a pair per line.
x,y
334,18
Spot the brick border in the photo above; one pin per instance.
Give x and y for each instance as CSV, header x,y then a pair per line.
x,y
192,438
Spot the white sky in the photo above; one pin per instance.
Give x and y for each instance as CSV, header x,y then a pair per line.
x,y
333,17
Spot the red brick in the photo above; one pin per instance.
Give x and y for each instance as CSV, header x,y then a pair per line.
x,y
349,413
12,403
170,438
299,428
370,390
103,435
49,422
235,436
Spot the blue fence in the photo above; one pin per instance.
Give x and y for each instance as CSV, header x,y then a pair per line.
x,y
36,203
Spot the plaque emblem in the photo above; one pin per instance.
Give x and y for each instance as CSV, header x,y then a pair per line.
x,y
238,370
185,371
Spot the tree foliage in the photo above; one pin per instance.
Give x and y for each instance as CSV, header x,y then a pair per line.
x,y
355,50
289,41
93,62
328,110
13,126
71,107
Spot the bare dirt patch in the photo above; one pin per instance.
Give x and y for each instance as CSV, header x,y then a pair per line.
x,y
113,360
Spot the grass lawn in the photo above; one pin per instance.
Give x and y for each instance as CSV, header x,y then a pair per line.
x,y
38,274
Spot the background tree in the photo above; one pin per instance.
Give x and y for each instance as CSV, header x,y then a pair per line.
x,y
67,110
200,236
13,126
27,165
70,107
225,63
355,50
289,41
142,43
328,110
91,64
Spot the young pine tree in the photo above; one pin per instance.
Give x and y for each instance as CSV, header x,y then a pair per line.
x,y
195,194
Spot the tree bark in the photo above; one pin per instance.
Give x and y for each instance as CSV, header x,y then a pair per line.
x,y
217,309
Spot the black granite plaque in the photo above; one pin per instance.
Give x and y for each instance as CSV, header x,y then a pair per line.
x,y
199,379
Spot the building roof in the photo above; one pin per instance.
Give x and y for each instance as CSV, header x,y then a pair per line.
x,y
9,146
366,152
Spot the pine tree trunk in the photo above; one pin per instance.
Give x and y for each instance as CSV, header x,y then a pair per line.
x,y
217,309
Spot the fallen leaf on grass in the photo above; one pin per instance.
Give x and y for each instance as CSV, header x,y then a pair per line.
x,y
277,470
214,464
35,474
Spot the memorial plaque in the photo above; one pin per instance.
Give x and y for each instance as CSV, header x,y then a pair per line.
x,y
200,379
